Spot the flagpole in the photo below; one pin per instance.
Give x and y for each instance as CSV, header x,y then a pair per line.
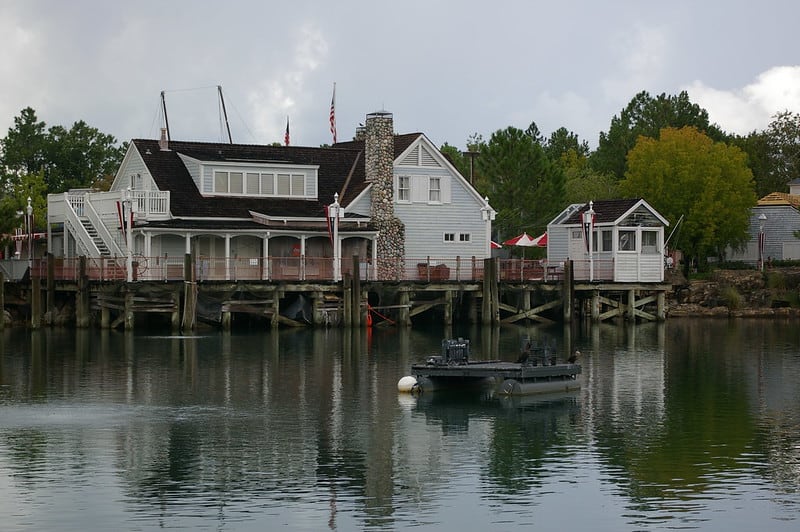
x,y
332,116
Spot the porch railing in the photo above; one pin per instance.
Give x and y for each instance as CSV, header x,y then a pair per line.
x,y
422,269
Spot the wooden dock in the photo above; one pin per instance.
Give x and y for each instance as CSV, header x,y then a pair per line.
x,y
352,302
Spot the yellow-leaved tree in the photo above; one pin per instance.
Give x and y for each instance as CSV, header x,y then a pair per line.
x,y
684,172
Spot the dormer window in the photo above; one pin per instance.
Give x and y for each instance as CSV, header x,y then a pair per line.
x,y
279,183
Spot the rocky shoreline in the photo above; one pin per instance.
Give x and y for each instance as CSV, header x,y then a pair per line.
x,y
737,294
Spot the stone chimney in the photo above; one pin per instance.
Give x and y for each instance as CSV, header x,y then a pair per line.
x,y
379,167
163,143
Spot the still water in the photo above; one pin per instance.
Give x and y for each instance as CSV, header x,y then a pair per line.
x,y
686,425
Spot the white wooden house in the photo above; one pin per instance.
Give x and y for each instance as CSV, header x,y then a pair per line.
x,y
278,212
777,218
609,240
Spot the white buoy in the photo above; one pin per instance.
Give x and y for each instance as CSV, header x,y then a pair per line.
x,y
407,384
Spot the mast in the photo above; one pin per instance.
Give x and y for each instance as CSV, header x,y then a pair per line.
x,y
225,113
164,110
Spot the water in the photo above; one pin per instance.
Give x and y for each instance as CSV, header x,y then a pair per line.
x,y
692,424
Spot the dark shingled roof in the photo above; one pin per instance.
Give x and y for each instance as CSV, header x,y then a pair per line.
x,y
606,211
335,166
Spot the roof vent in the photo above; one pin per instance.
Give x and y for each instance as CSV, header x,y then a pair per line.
x,y
163,144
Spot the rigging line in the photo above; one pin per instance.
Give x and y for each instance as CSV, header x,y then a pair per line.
x,y
191,89
252,136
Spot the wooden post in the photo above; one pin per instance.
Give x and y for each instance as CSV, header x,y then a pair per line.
x,y
661,313
356,293
488,280
347,301
317,299
568,294
175,316
189,294
631,305
105,316
276,307
473,308
51,288
448,308
2,301
36,300
129,314
595,306
404,314
82,297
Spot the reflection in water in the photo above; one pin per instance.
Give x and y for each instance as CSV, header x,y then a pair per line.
x,y
691,424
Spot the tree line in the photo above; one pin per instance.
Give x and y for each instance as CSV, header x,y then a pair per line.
x,y
663,149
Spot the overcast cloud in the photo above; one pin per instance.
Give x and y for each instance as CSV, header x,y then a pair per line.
x,y
447,69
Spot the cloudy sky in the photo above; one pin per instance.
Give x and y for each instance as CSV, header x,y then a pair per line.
x,y
447,69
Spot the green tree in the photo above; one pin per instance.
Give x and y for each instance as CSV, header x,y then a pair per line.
x,y
15,201
584,184
456,158
684,172
522,183
80,156
756,146
23,149
562,141
783,140
70,158
647,116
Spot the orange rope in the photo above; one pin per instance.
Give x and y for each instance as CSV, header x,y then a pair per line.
x,y
369,308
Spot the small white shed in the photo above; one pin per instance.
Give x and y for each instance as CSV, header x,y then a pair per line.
x,y
618,240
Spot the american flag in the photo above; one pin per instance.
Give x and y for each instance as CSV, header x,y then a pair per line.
x,y
333,114
286,135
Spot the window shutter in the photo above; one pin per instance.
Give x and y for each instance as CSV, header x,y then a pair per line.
x,y
445,183
419,188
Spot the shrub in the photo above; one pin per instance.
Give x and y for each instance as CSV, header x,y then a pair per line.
x,y
731,297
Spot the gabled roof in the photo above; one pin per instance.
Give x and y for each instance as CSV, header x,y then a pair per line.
x,y
609,211
169,173
780,198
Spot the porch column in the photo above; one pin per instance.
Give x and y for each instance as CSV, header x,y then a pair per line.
x,y
148,245
374,269
227,257
188,243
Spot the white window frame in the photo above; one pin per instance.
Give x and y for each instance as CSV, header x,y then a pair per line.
x,y
434,189
628,236
464,237
649,248
449,238
296,181
404,189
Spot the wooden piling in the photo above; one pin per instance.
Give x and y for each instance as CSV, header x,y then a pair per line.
x,y
36,301
404,313
568,292
2,301
129,314
82,297
448,307
51,288
356,294
189,294
488,280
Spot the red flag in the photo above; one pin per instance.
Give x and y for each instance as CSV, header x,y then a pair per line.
x,y
286,135
333,114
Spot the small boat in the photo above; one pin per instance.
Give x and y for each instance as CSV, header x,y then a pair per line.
x,y
535,371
